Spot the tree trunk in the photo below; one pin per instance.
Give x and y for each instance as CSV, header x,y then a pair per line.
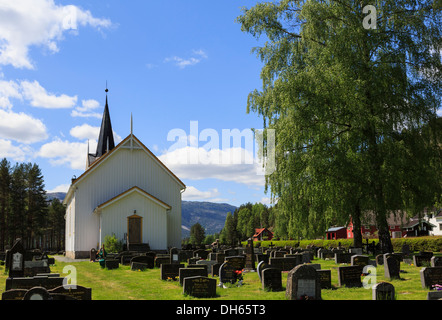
x,y
357,235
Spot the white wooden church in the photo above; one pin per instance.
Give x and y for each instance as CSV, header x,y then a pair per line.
x,y
125,191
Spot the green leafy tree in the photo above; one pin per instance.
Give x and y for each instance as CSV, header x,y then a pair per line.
x,y
346,101
5,190
197,234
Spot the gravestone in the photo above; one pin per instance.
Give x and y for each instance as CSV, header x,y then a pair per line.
x,y
343,257
16,263
350,276
436,261
147,262
303,283
170,271
238,262
206,264
161,260
191,272
30,282
261,266
383,291
262,257
359,260
92,254
380,259
220,257
228,273
434,295
250,256
32,268
406,249
111,264
285,264
431,276
271,279
75,292
200,287
37,293
14,294
215,269
325,278
392,266
200,253
423,259
174,255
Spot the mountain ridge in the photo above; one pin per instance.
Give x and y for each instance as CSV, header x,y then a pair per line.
x,y
211,215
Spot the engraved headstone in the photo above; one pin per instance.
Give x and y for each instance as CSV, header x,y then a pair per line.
x,y
303,283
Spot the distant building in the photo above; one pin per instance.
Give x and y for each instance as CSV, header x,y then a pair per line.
x,y
436,220
262,234
125,191
335,233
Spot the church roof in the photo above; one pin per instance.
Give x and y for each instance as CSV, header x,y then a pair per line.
x,y
102,159
138,190
106,136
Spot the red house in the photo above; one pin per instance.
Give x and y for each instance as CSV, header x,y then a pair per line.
x,y
262,234
336,233
369,230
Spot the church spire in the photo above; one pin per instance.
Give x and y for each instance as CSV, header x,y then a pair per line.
x,y
106,137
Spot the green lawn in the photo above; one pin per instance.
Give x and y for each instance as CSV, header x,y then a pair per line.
x,y
124,284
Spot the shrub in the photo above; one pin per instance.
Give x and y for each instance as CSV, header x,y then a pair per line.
x,y
112,244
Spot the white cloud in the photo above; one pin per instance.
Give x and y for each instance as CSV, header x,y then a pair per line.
x,y
39,97
84,132
8,89
231,164
193,193
17,153
21,127
27,23
185,62
60,188
65,153
86,110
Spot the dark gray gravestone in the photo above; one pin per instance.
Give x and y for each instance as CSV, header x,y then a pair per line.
x,y
37,293
75,292
383,291
16,263
32,268
431,276
271,279
261,266
380,259
250,255
422,259
174,255
359,260
325,278
215,269
200,253
392,266
285,264
111,264
200,287
303,283
170,271
238,262
14,294
343,258
434,295
92,254
30,282
191,272
350,276
160,260
148,261
436,261
227,273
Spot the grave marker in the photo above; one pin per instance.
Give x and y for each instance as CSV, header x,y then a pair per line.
x,y
271,279
431,276
383,291
303,283
392,266
200,287
350,276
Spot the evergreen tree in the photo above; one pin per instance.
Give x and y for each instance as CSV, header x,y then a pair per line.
x,y
5,190
197,234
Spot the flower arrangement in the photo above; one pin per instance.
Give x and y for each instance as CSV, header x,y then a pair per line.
x,y
437,287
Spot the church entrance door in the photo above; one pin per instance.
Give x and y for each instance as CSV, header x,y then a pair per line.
x,y
134,229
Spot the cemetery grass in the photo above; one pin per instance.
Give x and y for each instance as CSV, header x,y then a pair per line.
x,y
124,284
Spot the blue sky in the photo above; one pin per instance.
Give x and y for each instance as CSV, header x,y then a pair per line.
x,y
172,64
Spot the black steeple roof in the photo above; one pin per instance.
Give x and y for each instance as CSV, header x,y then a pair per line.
x,y
106,137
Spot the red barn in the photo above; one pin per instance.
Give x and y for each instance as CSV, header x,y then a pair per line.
x,y
262,234
336,233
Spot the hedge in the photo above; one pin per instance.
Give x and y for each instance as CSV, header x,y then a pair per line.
x,y
433,244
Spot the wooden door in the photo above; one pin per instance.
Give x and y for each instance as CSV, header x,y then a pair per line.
x,y
134,229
